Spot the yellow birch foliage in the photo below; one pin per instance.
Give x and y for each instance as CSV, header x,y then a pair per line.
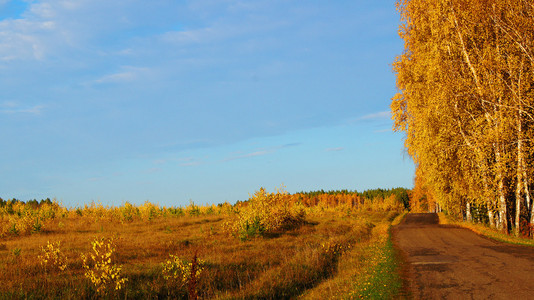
x,y
51,257
99,268
466,98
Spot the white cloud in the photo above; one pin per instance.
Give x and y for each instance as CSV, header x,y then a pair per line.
x,y
58,29
43,10
22,39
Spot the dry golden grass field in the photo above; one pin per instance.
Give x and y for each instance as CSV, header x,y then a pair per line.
x,y
269,247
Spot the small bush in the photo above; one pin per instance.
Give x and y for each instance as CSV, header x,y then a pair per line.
x,y
52,258
128,211
181,274
266,213
99,268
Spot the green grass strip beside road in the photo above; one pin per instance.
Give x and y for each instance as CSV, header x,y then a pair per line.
x,y
381,279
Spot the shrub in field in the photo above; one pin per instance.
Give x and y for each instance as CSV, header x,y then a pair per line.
x,y
99,268
128,212
181,274
28,222
96,211
192,209
266,213
52,258
149,211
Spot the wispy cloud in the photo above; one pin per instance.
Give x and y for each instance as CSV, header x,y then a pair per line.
x,y
96,179
153,170
11,107
335,149
128,74
189,161
191,164
202,35
376,116
262,152
383,130
251,154
117,77
160,161
290,145
372,117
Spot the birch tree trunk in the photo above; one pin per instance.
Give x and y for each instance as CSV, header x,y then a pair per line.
x,y
468,216
502,221
519,174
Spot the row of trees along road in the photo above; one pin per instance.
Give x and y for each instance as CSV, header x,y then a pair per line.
x,y
466,104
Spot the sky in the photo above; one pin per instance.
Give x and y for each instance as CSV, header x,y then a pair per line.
x,y
172,101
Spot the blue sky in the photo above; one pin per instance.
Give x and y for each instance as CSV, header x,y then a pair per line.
x,y
209,100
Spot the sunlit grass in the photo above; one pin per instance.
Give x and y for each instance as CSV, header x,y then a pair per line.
x,y
368,270
380,277
278,266
153,249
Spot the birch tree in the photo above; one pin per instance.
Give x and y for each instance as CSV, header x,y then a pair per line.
x,y
465,100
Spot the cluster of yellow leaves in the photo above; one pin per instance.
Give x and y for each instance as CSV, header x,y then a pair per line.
x,y
266,212
52,258
103,273
174,269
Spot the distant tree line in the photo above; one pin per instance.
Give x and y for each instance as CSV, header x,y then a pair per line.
x,y
401,194
33,202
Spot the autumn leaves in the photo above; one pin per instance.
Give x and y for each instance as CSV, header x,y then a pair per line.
x,y
465,102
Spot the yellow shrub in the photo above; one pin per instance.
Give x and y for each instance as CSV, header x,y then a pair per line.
x,y
52,258
266,213
149,211
128,212
179,272
99,268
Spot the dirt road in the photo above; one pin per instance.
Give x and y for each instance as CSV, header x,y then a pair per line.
x,y
445,262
